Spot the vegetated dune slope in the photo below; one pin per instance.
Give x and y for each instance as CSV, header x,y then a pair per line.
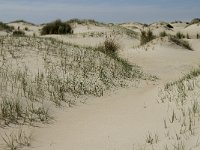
x,y
164,58
124,119
130,118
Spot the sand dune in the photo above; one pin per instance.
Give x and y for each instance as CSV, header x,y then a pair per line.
x,y
128,118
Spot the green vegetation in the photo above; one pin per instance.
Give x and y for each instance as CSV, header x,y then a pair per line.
x,y
16,140
67,74
192,74
195,20
26,28
163,34
179,35
111,46
146,37
182,100
5,27
13,111
57,27
22,21
180,42
18,33
122,30
84,21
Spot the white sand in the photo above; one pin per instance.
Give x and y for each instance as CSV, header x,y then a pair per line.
x,y
121,120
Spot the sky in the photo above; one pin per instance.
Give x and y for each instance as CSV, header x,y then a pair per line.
x,y
115,11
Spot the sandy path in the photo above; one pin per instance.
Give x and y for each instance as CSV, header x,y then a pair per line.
x,y
111,123
120,120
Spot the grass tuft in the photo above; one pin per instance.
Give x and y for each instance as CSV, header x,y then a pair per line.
x,y
181,42
146,37
163,34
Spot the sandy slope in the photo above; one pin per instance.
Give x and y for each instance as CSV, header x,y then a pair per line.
x,y
114,122
123,119
165,60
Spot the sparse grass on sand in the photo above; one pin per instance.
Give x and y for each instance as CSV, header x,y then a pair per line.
x,y
16,140
182,120
180,42
64,74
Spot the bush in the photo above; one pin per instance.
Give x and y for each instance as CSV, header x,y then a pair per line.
x,y
197,36
26,28
57,27
179,35
180,42
163,34
146,37
18,33
111,46
195,20
5,27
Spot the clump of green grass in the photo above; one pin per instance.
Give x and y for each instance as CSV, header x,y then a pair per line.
x,y
182,97
111,46
163,34
6,27
17,140
18,33
26,29
180,42
57,27
14,111
22,21
84,21
146,36
192,74
180,35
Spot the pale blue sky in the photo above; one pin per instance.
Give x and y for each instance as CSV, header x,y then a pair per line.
x,y
147,11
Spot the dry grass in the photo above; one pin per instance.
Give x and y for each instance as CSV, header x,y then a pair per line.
x,y
180,42
64,75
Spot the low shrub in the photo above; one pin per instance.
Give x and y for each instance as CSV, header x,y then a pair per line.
x,y
26,28
57,27
18,33
163,34
146,37
111,46
5,27
195,20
